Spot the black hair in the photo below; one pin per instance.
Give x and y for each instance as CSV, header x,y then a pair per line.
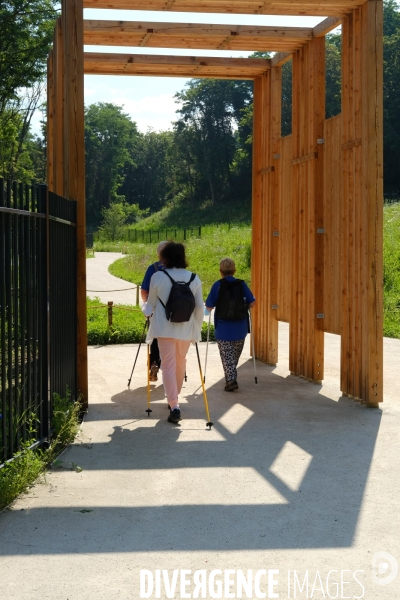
x,y
173,255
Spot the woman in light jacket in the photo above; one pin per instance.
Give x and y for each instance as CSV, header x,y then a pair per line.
x,y
174,339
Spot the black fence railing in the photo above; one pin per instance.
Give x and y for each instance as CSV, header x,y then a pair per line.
x,y
150,236
37,310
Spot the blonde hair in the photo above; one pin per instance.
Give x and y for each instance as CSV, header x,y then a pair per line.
x,y
227,266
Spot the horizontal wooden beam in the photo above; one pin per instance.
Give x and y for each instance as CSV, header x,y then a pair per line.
x,y
99,63
323,8
280,58
193,35
326,26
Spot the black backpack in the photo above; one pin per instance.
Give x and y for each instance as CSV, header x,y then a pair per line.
x,y
180,304
231,301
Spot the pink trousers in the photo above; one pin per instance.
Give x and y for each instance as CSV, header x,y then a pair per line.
x,y
173,365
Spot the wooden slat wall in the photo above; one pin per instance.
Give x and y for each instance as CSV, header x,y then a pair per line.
x,y
332,226
329,179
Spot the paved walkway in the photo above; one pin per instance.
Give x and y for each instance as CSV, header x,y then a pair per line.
x,y
101,283
292,477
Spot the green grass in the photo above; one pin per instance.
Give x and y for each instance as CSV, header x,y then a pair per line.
x,y
127,328
127,325
391,272
179,214
28,464
203,256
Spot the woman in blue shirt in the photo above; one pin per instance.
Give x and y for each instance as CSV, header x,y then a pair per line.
x,y
230,334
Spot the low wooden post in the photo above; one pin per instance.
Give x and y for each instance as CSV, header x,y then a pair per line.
x,y
137,295
110,313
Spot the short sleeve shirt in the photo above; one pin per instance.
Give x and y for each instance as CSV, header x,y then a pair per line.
x,y
231,331
149,274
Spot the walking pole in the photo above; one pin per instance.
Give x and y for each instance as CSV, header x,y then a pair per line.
x,y
252,346
148,410
137,354
209,423
208,338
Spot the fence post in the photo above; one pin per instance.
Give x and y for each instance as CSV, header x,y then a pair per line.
x,y
137,295
184,234
200,231
110,313
43,197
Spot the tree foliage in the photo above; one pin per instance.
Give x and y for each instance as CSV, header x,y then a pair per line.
x,y
110,143
26,35
391,96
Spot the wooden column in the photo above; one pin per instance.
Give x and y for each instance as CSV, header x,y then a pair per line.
x,y
74,164
362,248
59,93
257,233
50,120
265,243
306,353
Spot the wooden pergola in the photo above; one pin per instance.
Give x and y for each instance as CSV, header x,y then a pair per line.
x,y
317,193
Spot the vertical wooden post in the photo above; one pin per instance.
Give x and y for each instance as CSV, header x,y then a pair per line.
x,y
50,120
306,324
362,300
59,60
372,82
265,257
74,166
256,255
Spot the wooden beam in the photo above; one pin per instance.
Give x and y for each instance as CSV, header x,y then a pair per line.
x,y
146,38
274,7
98,63
280,58
194,35
326,26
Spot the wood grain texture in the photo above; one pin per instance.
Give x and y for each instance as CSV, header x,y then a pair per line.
x,y
275,7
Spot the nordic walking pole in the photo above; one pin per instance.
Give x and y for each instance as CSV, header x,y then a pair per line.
x,y
209,423
137,354
148,410
252,346
208,338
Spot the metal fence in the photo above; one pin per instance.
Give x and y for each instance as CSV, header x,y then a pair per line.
x,y
37,310
150,236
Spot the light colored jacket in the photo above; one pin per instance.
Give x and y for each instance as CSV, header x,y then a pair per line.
x,y
160,287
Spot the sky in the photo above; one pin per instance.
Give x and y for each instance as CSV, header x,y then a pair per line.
x,y
150,100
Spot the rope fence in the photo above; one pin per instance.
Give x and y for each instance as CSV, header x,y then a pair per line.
x,y
137,288
111,307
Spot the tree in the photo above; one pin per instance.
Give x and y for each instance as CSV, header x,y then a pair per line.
x,y
152,180
26,36
110,143
391,96
210,113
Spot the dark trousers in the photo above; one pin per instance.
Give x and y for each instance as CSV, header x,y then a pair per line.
x,y
155,353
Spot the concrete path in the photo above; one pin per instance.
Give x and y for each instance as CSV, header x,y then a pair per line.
x,y
101,283
292,477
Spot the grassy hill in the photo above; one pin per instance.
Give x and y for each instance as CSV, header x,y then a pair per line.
x,y
183,215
